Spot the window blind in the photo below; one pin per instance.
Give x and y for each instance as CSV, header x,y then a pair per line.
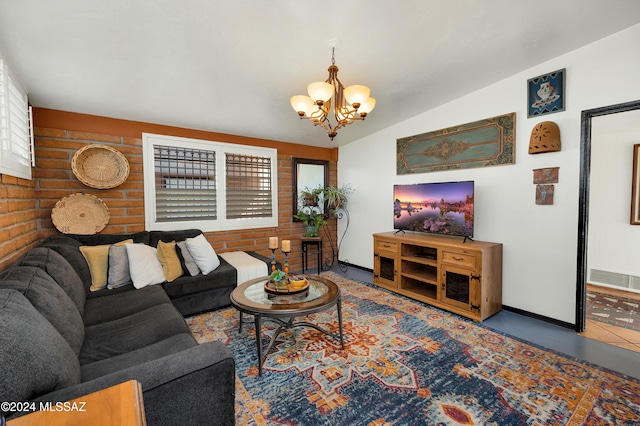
x,y
248,186
15,130
185,184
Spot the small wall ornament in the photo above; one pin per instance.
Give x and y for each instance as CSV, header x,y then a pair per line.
x,y
544,194
544,178
546,175
545,137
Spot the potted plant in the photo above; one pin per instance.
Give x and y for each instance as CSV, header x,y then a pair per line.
x,y
309,197
336,197
278,278
313,221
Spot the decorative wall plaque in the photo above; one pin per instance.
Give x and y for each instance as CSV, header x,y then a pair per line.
x,y
546,93
488,142
544,194
547,175
545,137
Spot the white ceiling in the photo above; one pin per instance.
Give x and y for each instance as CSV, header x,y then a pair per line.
x,y
231,66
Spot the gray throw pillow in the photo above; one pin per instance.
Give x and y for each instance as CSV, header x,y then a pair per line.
x,y
118,275
189,263
35,359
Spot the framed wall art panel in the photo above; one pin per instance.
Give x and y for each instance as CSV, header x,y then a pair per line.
x,y
488,142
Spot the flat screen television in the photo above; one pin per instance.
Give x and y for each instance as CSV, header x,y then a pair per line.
x,y
436,208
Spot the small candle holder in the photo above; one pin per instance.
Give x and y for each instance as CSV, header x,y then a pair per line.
x,y
273,245
286,264
286,248
273,259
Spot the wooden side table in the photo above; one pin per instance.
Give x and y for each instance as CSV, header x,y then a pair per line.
x,y
118,405
311,241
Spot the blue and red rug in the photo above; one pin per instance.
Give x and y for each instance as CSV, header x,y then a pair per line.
x,y
405,363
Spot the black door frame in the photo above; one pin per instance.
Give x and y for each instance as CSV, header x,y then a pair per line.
x,y
583,204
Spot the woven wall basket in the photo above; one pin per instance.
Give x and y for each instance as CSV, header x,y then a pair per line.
x,y
100,166
80,214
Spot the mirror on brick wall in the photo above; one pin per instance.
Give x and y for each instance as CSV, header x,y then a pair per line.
x,y
309,174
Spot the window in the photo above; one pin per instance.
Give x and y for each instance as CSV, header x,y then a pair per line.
x,y
16,143
212,186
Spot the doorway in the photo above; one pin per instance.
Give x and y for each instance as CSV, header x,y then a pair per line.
x,y
583,210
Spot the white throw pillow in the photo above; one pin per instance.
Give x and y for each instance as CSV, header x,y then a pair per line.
x,y
144,266
203,254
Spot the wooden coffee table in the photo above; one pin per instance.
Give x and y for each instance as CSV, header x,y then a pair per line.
x,y
251,298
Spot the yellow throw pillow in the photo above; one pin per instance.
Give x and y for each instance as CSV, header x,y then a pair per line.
x,y
98,259
170,261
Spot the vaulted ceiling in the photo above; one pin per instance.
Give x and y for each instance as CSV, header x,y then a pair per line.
x,y
231,66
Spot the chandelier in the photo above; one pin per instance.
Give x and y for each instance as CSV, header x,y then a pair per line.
x,y
349,104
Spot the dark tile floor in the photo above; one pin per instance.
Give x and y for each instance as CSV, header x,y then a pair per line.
x,y
567,341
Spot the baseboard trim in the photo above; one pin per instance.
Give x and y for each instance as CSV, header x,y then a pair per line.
x,y
539,317
352,265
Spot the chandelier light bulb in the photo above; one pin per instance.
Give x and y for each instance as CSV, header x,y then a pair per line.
x,y
367,106
356,94
303,105
320,91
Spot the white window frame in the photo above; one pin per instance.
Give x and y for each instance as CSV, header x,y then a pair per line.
x,y
150,140
16,132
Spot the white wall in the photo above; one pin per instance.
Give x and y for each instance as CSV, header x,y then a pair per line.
x,y
614,244
540,242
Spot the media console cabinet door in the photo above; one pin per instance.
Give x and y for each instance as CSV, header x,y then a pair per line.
x,y
460,287
385,262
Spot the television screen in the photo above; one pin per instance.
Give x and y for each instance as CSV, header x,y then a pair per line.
x,y
437,208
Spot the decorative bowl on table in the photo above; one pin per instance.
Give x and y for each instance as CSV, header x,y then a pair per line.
x,y
298,282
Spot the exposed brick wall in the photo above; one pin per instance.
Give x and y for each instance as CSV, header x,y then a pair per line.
x,y
17,219
54,180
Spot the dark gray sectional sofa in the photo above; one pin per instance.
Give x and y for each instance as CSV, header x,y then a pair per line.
x,y
59,341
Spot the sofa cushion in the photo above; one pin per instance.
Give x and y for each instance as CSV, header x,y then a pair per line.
x,y
171,345
225,275
117,305
122,335
49,299
170,261
35,359
203,254
60,270
118,274
70,250
144,266
99,239
168,236
97,258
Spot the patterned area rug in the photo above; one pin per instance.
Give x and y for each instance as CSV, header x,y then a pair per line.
x,y
406,363
615,310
